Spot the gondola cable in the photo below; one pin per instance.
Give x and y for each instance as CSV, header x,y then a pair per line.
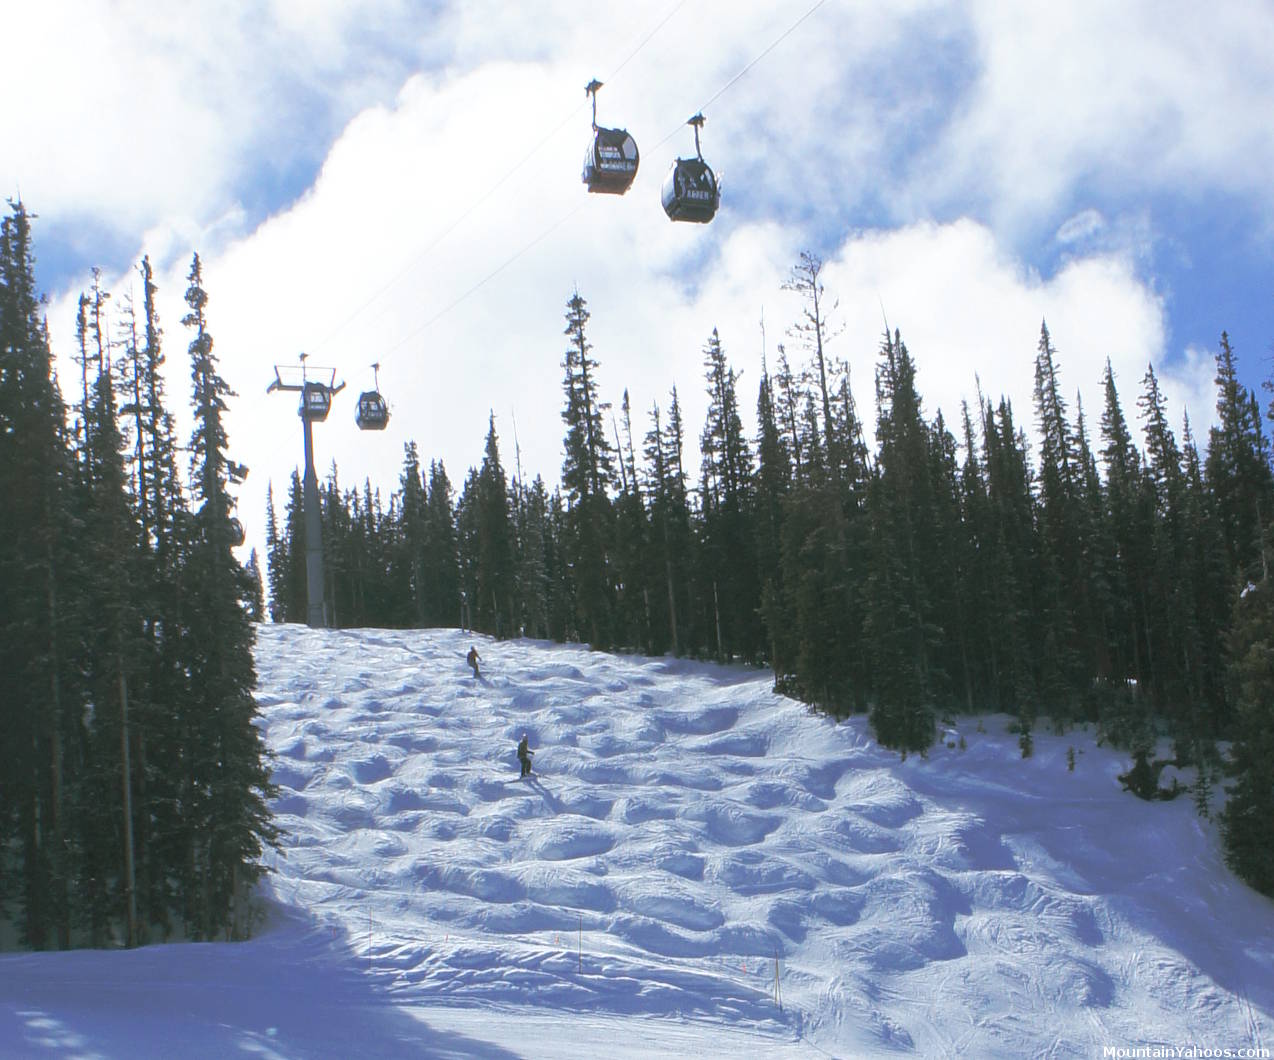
x,y
473,206
737,77
566,217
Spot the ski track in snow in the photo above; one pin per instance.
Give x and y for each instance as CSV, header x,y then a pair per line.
x,y
688,826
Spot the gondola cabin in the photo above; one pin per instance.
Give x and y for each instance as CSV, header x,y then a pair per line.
x,y
316,402
691,191
373,413
237,535
610,163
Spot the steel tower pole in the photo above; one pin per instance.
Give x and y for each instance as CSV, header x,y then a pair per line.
x,y
316,616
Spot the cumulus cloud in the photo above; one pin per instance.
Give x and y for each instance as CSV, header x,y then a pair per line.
x,y
136,114
1118,99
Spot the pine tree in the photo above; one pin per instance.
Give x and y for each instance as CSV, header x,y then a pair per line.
x,y
630,559
587,474
728,538
38,583
1012,563
674,555
226,777
494,562
441,571
902,627
1248,819
773,483
1207,714
534,534
1064,601
413,533
256,585
1170,593
1237,469
114,659
165,530
467,509
814,331
1130,521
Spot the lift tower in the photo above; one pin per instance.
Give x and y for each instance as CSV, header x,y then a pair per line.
x,y
316,402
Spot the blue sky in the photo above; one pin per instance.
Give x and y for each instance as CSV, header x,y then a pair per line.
x,y
398,183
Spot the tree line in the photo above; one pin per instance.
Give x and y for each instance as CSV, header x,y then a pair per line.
x,y
1117,575
133,783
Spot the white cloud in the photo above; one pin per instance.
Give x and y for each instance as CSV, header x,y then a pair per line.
x,y
1124,99
1082,227
422,247
136,114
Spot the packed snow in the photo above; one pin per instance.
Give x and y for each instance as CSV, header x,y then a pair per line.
x,y
697,866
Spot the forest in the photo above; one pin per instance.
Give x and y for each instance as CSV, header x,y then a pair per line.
x,y
1115,575
134,786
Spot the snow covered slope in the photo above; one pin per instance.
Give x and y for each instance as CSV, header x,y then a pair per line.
x,y
689,834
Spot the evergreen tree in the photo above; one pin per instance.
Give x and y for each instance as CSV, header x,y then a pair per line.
x,y
276,548
441,571
772,485
1207,714
494,563
813,330
630,557
165,525
1011,564
587,473
37,587
1064,600
902,622
1237,469
979,634
467,509
226,777
673,553
294,602
1130,521
256,588
535,548
1248,819
113,660
414,533
1171,641
728,540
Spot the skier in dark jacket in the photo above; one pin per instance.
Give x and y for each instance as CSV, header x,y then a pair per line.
x,y
524,756
472,659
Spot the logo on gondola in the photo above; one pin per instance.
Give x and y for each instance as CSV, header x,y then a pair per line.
x,y
611,158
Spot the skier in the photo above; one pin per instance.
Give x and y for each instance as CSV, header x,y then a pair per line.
x,y
524,756
472,659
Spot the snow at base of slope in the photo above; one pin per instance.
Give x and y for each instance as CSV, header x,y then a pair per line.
x,y
687,835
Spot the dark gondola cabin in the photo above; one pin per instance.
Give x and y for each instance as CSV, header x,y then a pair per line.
x,y
237,535
610,163
316,402
373,413
690,190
